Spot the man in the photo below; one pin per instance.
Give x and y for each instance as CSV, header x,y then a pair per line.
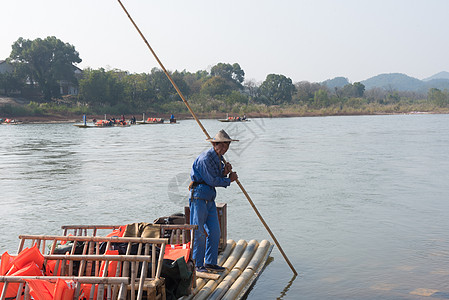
x,y
208,172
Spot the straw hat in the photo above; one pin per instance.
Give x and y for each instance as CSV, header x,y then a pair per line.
x,y
221,136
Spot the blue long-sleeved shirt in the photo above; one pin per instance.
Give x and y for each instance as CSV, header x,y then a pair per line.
x,y
208,169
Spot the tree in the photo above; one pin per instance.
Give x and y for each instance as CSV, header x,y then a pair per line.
x,y
10,81
359,89
276,89
321,98
233,73
99,87
305,91
194,81
216,85
376,95
46,62
356,89
163,88
137,91
438,97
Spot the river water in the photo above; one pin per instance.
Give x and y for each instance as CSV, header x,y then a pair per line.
x,y
358,203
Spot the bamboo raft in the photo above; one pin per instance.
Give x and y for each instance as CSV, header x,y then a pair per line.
x,y
138,276
150,122
233,120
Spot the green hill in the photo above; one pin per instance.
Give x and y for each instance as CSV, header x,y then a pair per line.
x,y
395,82
336,82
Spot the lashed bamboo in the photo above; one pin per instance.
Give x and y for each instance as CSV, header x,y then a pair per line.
x,y
254,265
229,264
200,282
241,264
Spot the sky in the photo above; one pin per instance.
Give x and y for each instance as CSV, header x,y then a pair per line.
x,y
305,40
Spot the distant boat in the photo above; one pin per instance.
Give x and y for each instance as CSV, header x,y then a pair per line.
x,y
234,119
10,122
151,121
104,123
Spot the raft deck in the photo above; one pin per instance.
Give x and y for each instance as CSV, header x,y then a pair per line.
x,y
244,262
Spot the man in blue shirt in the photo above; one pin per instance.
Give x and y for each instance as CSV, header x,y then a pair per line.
x,y
208,172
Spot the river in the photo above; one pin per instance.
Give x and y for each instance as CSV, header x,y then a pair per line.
x,y
358,203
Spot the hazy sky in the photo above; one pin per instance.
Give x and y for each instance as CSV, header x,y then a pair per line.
x,y
311,40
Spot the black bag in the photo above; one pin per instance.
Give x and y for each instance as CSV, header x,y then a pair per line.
x,y
178,218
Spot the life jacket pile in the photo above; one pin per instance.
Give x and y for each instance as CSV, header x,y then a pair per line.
x,y
30,262
154,120
103,123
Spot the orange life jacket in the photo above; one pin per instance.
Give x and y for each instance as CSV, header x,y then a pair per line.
x,y
174,252
28,255
45,290
112,266
119,232
6,263
29,270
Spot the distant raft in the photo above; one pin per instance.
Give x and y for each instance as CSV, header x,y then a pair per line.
x,y
151,121
234,119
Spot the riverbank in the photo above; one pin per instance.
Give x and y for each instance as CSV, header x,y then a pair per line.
x,y
263,112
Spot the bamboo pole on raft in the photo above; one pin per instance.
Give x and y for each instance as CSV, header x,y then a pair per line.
x,y
208,137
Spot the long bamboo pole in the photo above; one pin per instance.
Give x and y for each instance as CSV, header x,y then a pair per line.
x,y
208,137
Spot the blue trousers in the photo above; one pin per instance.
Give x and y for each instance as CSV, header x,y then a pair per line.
x,y
204,214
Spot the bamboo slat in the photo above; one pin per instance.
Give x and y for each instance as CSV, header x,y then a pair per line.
x,y
207,289
232,276
259,257
200,282
95,239
207,275
101,257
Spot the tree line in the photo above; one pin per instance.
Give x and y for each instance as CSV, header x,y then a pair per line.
x,y
42,64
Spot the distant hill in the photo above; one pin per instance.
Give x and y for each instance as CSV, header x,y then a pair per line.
x,y
441,75
396,82
336,82
441,84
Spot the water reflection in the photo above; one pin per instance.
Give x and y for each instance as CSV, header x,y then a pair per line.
x,y
286,288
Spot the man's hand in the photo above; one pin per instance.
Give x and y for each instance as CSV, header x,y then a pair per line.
x,y
233,176
227,169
